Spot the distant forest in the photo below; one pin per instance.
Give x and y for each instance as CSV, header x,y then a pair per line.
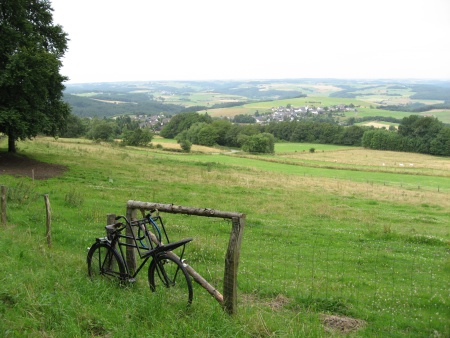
x,y
134,102
438,91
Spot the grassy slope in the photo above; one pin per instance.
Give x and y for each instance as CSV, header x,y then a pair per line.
x,y
314,243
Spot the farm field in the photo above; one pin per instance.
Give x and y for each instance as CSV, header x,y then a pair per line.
x,y
339,242
365,108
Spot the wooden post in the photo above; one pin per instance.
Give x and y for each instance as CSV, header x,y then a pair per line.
x,y
49,221
231,266
110,219
3,204
130,251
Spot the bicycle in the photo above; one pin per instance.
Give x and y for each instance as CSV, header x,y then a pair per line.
x,y
106,256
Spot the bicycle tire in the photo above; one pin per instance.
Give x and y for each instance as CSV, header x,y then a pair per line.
x,y
168,274
104,261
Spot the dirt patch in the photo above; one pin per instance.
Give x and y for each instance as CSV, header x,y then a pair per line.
x,y
19,165
275,304
342,324
378,125
278,302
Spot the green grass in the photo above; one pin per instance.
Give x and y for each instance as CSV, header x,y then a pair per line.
x,y
318,241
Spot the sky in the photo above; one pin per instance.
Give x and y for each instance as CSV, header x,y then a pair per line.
x,y
156,40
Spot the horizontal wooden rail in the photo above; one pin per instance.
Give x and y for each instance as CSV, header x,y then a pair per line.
x,y
178,209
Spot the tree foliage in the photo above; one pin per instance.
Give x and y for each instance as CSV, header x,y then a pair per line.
x,y
263,143
182,122
244,118
74,127
137,137
425,135
30,84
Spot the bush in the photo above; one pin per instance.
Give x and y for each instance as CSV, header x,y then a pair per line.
x,y
260,143
186,145
138,137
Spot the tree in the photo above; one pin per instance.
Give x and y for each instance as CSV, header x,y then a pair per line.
x,y
137,137
244,118
263,143
75,127
186,146
441,144
181,122
31,48
221,128
102,130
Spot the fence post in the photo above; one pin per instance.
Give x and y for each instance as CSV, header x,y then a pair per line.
x,y
3,203
231,266
49,221
110,219
131,255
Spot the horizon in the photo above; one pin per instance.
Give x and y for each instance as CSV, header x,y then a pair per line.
x,y
400,80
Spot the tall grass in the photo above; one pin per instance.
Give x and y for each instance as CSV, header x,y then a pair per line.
x,y
314,245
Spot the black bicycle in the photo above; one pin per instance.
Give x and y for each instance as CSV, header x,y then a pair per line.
x,y
167,271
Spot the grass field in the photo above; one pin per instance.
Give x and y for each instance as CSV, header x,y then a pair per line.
x,y
335,242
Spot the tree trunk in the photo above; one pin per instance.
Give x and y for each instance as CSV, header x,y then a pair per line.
x,y
11,144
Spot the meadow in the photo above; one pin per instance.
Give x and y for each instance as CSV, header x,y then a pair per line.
x,y
340,242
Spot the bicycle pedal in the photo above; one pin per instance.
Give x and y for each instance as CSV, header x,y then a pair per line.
x,y
131,280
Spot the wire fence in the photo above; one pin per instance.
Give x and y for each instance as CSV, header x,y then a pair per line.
x,y
378,278
401,283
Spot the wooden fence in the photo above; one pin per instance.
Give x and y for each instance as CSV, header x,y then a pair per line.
x,y
229,298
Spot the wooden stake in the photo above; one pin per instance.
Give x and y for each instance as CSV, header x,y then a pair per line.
x,y
231,266
130,251
3,203
49,221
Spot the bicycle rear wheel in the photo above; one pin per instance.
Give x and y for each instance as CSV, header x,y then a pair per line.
x,y
167,274
104,261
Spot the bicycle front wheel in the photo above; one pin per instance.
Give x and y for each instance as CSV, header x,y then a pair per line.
x,y
105,261
168,275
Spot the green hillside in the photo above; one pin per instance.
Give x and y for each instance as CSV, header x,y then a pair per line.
x,y
340,239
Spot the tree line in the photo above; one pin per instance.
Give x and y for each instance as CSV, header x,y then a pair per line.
x,y
415,107
425,135
419,134
123,128
135,103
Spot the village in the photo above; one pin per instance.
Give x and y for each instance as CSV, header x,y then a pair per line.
x,y
291,113
276,114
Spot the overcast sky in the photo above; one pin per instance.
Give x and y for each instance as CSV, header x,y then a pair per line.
x,y
134,40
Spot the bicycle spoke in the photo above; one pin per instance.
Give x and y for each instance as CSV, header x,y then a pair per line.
x,y
171,279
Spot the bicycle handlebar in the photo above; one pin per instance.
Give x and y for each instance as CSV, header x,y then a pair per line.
x,y
120,217
148,216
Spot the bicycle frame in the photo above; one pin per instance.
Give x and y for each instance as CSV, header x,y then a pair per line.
x,y
117,239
